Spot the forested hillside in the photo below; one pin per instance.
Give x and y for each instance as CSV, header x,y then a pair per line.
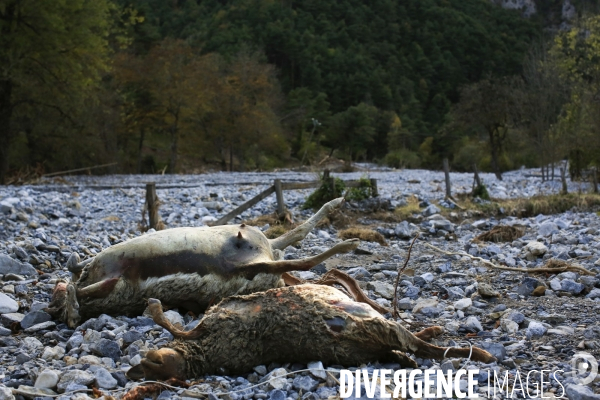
x,y
185,85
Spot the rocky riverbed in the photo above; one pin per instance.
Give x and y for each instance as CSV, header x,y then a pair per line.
x,y
530,322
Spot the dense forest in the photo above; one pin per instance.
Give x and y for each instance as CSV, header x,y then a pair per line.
x,y
187,85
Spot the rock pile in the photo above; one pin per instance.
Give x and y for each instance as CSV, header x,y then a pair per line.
x,y
528,321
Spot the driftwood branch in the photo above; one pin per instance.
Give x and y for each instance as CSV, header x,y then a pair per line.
x,y
489,264
395,312
78,170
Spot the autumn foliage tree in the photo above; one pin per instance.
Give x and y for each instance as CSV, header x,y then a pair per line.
x,y
52,55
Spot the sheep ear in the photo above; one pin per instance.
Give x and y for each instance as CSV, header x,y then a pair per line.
x,y
135,373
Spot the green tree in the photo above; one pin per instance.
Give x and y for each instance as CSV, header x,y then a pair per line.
x,y
491,107
52,55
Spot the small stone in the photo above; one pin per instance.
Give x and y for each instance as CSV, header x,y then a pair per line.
x,y
555,284
430,210
175,318
317,370
581,392
53,353
276,379
104,379
486,290
547,228
593,294
47,379
40,327
570,286
107,348
261,370
9,265
463,304
6,393
405,304
76,377
536,248
535,330
527,286
383,289
424,303
495,349
305,383
90,359
131,336
473,324
277,395
32,344
7,305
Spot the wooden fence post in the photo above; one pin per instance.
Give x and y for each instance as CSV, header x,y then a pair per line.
x,y
279,195
332,184
447,175
595,180
152,203
374,191
563,178
476,176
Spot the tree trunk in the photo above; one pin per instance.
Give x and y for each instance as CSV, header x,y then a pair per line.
x,y
230,158
140,148
5,128
447,178
174,144
495,147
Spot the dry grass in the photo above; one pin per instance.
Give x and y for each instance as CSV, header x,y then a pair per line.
x,y
367,235
555,263
530,207
278,226
501,233
406,212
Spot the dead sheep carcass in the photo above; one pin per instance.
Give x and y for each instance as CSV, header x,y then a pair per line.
x,y
300,323
189,268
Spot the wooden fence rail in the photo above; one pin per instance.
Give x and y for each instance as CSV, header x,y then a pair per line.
x,y
278,188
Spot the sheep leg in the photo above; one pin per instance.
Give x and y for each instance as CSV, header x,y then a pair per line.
x,y
282,266
302,230
430,333
99,289
338,277
75,266
156,311
406,341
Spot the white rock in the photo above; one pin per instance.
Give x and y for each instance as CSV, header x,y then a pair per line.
x,y
6,393
32,344
90,359
75,376
7,305
47,379
276,379
547,228
174,317
425,303
317,369
135,360
509,326
463,304
383,289
536,248
53,353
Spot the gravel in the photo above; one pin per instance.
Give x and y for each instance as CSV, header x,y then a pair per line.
x,y
504,312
